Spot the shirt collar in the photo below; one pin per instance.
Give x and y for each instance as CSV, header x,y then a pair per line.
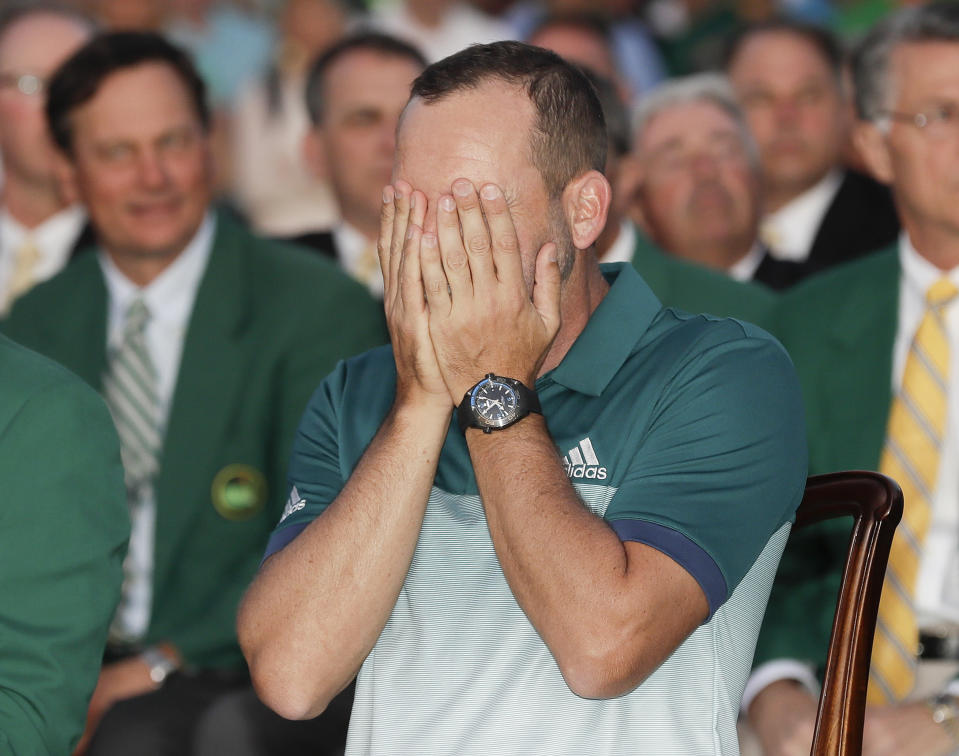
x,y
793,227
63,226
745,268
918,273
169,297
603,347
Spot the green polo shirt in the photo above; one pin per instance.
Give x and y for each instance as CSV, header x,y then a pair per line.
x,y
683,432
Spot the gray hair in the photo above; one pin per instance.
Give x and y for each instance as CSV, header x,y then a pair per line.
x,y
932,22
711,88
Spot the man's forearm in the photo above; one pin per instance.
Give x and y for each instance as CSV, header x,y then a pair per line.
x,y
594,600
317,607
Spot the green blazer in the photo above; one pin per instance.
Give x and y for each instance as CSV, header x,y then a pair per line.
x,y
839,328
63,535
269,322
694,288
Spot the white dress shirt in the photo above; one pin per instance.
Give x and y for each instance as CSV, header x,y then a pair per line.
x,y
351,246
790,231
747,265
169,299
624,246
53,239
937,586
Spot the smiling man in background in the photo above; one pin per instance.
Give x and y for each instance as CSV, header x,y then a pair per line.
x,y
206,343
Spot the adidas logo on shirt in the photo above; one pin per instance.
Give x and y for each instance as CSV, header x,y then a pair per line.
x,y
581,462
294,504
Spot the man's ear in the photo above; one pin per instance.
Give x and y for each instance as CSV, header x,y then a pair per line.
x,y
66,178
872,145
586,202
314,152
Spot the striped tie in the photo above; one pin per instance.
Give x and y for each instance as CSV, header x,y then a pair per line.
x,y
129,387
917,421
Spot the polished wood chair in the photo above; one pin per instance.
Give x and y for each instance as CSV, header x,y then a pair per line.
x,y
874,502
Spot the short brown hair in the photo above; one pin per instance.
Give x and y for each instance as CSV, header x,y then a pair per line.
x,y
568,137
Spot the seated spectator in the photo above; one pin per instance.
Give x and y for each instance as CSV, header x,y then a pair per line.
x,y
63,532
272,184
876,344
699,186
355,94
789,78
41,225
206,343
490,594
675,282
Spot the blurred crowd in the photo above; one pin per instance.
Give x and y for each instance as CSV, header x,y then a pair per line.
x,y
759,170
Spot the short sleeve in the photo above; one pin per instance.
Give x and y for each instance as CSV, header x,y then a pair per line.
x,y
722,464
315,475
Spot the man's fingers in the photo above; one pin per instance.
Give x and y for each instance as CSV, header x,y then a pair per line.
x,y
546,287
435,283
409,276
386,234
475,234
456,266
505,246
401,218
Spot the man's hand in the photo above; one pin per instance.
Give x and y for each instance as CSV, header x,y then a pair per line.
x,y
481,317
784,718
903,730
418,376
117,681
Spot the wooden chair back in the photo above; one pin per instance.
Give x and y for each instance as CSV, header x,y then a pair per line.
x,y
875,503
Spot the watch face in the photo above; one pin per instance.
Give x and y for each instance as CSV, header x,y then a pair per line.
x,y
494,403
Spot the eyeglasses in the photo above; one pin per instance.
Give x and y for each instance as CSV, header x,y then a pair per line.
x,y
26,83
937,122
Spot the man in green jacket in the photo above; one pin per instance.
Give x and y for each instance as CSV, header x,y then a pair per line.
x,y
63,533
876,345
206,343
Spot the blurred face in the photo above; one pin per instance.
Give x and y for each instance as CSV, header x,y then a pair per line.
x,y
795,109
365,93
699,192
33,46
141,162
578,46
921,164
481,135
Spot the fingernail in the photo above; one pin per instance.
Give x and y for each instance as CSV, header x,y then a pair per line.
x,y
409,232
490,192
447,203
462,187
429,240
387,195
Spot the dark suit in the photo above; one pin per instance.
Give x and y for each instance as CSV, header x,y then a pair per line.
x,y
860,219
839,329
268,323
63,534
320,241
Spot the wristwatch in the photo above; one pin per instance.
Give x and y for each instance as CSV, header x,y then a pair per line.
x,y
495,403
160,664
944,709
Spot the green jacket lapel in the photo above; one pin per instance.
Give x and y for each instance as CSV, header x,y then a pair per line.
x,y
854,394
210,376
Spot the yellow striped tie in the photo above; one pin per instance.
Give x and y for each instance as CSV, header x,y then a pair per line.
x,y
910,455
